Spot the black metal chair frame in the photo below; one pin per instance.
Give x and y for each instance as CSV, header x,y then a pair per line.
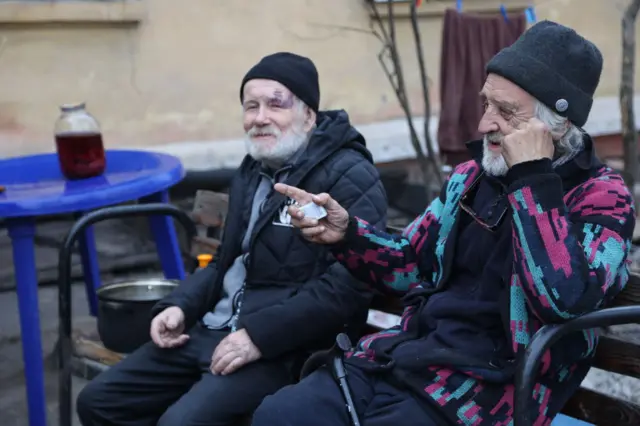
x,y
527,370
65,344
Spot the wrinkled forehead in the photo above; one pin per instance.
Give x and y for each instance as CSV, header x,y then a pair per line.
x,y
501,91
262,89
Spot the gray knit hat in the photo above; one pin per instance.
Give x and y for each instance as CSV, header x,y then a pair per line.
x,y
555,65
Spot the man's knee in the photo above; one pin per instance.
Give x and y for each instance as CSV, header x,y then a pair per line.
x,y
197,413
280,409
88,403
270,412
173,417
178,415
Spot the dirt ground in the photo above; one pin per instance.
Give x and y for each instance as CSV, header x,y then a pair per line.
x,y
13,404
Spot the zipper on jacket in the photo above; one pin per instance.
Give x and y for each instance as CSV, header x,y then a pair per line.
x,y
247,266
256,232
233,321
238,298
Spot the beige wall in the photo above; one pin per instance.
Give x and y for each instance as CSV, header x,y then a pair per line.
x,y
174,75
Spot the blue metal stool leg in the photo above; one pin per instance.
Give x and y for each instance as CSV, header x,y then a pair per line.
x,y
90,268
21,232
164,233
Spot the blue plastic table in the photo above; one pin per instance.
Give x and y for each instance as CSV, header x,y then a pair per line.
x,y
34,186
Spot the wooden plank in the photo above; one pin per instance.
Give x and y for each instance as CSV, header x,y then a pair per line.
x,y
206,245
631,294
601,409
87,345
618,356
210,208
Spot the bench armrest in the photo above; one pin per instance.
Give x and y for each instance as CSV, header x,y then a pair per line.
x,y
526,372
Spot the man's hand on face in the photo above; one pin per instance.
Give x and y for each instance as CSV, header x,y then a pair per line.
x,y
233,352
531,142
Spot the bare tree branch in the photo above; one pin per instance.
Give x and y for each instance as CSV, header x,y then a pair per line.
x,y
435,160
395,75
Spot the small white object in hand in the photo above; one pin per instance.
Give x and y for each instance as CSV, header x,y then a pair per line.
x,y
314,211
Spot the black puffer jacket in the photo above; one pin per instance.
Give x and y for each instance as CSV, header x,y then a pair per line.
x,y
297,296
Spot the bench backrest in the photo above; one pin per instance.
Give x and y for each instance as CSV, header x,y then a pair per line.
x,y
616,354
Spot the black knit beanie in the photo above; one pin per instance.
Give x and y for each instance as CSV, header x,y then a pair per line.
x,y
555,65
295,72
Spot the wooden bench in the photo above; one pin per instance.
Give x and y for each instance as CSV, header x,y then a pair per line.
x,y
210,213
613,354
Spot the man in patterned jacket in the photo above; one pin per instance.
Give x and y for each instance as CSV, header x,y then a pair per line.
x,y
533,231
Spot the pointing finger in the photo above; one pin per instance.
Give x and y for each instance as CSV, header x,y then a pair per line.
x,y
299,195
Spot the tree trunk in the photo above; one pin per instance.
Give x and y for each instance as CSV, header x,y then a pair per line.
x,y
629,130
395,76
433,156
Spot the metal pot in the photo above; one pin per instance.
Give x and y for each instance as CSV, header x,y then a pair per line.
x,y
124,311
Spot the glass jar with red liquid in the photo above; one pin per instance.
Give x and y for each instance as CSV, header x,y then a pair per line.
x,y
79,143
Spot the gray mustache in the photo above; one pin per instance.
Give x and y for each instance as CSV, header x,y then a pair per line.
x,y
493,137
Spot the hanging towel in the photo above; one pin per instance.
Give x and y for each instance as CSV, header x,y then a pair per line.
x,y
469,41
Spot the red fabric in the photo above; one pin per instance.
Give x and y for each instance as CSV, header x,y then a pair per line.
x,y
468,42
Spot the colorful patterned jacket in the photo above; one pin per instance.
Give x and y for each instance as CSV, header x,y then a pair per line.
x,y
571,233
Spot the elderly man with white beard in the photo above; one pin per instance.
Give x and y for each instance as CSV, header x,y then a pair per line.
x,y
241,329
534,230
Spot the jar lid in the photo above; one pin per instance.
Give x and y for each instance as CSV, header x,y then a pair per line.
x,y
73,106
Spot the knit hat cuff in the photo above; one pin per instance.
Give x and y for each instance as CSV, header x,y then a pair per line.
x,y
290,79
534,76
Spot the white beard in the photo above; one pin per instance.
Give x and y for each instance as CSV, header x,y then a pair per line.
x,y
276,154
493,163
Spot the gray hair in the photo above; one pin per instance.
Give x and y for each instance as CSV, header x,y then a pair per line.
x,y
299,105
568,138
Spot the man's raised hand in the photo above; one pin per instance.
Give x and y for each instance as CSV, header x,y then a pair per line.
x,y
329,230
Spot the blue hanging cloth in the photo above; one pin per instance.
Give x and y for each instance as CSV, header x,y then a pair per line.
x,y
530,14
459,5
503,11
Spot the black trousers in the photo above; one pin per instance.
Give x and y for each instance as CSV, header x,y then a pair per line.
x,y
318,401
174,387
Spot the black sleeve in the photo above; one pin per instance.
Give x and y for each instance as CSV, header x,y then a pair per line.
x,y
322,306
193,295
190,295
